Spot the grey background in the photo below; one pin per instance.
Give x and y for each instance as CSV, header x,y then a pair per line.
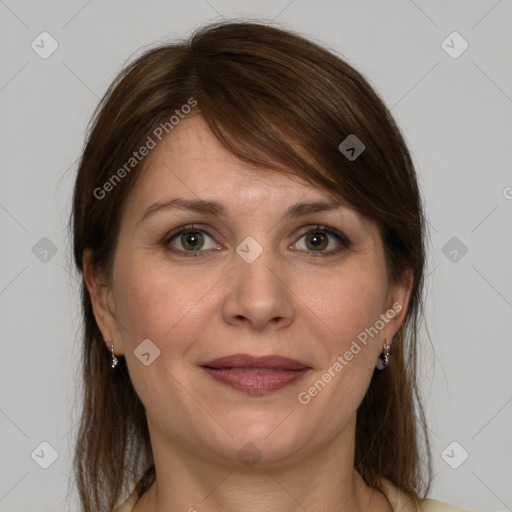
x,y
456,115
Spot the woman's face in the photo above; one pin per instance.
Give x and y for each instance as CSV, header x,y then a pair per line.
x,y
255,275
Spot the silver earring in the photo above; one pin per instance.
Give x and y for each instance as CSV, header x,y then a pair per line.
x,y
114,358
383,359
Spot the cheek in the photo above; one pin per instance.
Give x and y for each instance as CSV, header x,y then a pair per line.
x,y
165,306
349,306
348,303
168,305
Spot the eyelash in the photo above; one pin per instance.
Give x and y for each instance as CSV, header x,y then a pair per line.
x,y
342,239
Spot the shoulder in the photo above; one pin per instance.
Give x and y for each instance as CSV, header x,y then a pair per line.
x,y
129,504
401,502
430,505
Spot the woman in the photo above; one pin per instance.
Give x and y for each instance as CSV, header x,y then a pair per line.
x,y
250,231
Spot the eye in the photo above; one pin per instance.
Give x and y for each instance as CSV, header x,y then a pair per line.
x,y
320,238
189,239
318,241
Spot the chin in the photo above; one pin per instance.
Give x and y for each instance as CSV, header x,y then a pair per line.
x,y
265,441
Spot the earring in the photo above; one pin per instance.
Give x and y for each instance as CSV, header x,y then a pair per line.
x,y
383,359
114,358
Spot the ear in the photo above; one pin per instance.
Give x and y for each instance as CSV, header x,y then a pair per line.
x,y
103,304
397,304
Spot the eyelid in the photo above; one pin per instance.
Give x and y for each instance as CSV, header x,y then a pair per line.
x,y
342,239
183,229
166,241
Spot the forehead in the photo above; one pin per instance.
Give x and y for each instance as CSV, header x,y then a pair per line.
x,y
191,162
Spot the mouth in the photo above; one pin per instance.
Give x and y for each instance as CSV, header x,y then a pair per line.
x,y
255,375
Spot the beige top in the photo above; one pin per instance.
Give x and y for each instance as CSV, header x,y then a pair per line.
x,y
400,502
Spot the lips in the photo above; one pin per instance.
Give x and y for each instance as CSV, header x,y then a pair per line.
x,y
255,375
248,361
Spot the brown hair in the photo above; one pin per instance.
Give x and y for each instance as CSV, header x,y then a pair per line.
x,y
277,101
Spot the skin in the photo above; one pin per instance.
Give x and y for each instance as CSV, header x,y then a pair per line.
x,y
289,301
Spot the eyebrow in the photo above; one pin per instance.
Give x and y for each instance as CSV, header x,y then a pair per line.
x,y
218,210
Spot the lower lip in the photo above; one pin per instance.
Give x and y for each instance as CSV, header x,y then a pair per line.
x,y
255,383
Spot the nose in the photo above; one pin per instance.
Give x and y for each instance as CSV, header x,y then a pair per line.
x,y
259,293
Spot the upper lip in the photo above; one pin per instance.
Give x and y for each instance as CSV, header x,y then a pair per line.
x,y
249,361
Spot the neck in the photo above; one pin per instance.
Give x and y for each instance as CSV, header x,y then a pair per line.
x,y
324,480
